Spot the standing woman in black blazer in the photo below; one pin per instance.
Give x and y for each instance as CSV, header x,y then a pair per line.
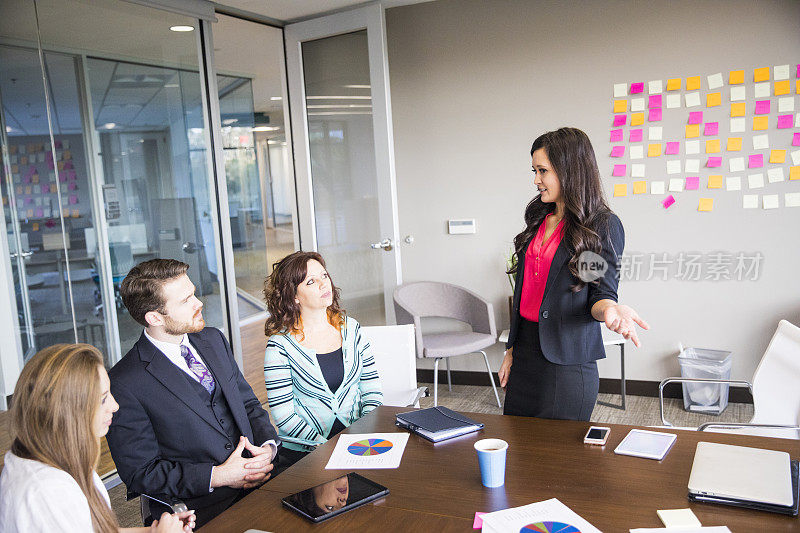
x,y
566,284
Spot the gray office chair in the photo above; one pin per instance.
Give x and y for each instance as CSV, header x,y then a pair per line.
x,y
414,301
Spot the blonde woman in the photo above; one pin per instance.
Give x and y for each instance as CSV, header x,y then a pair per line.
x,y
61,409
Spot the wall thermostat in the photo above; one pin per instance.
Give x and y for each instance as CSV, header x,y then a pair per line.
x,y
461,226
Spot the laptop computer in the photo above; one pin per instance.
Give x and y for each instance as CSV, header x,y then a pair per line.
x,y
741,473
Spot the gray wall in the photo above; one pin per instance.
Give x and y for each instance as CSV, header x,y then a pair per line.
x,y
474,82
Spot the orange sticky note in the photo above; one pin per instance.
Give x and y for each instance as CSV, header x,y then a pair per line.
x,y
783,87
653,150
734,144
738,109
620,106
693,83
712,146
777,156
798,86
713,99
706,204
761,74
674,84
620,189
639,187
760,123
736,77
35,226
637,119
692,131
715,181
794,173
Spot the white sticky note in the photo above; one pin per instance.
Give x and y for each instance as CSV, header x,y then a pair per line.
x,y
715,81
786,104
657,86
733,183
797,121
636,151
676,184
655,133
692,147
637,104
637,170
657,187
750,201
737,125
674,166
692,165
755,181
796,157
692,99
738,93
761,90
620,89
774,175
770,201
780,72
761,142
792,199
673,101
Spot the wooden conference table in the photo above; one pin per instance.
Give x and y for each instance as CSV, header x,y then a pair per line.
x,y
438,488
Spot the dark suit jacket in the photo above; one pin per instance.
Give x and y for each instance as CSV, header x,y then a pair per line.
x,y
568,333
164,439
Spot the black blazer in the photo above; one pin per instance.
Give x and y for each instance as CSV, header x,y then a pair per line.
x,y
164,439
568,333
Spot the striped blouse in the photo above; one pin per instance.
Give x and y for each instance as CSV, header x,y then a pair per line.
x,y
301,404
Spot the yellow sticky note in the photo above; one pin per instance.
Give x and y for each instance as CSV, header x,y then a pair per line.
x,y
639,187
777,156
760,123
693,83
620,106
35,226
706,204
783,87
674,84
76,213
761,74
738,109
653,150
798,86
637,119
713,99
715,181
621,189
794,173
692,131
736,77
712,146
734,144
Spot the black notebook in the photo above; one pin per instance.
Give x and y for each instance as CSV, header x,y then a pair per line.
x,y
437,423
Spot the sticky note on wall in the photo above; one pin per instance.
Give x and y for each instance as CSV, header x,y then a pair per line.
x,y
735,77
692,131
777,156
653,150
760,123
674,84
639,187
637,119
715,181
620,189
734,144
693,83
706,204
620,106
783,87
738,109
619,170
712,146
761,74
713,99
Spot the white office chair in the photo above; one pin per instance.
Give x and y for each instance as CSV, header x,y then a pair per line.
x,y
394,350
775,390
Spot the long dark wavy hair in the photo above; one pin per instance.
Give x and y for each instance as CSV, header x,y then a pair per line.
x,y
280,290
586,212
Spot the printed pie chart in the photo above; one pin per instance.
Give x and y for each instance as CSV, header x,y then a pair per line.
x,y
368,447
549,527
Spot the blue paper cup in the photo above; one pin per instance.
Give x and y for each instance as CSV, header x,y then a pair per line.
x,y
492,460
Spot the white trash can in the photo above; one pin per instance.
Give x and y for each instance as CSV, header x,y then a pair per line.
x,y
711,398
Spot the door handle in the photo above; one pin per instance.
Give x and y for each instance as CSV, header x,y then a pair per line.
x,y
385,244
14,255
191,247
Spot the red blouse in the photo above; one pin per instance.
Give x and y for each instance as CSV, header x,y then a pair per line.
x,y
538,259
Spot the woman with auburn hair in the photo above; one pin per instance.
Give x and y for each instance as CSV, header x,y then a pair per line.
x,y
567,260
319,372
61,409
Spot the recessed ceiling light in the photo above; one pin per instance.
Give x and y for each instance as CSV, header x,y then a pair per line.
x,y
264,128
356,86
181,28
276,98
228,121
8,129
109,125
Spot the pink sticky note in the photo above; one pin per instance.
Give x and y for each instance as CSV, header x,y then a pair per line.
x,y
692,183
785,121
71,175
668,201
635,136
654,115
72,186
711,128
68,165
620,120
39,212
637,88
45,189
762,107
58,145
616,135
73,199
618,151
62,177
672,148
695,117
478,522
755,161
714,162
798,72
50,165
619,170
796,139
28,201
654,101
26,178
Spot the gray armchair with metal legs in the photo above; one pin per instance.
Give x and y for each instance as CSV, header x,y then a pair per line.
x,y
414,301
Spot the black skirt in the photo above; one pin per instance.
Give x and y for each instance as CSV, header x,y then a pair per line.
x,y
537,387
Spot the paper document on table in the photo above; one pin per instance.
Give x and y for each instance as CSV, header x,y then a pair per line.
x,y
549,515
712,529
368,450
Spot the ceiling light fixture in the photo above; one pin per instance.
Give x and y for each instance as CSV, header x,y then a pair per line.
x,y
276,98
181,28
229,121
264,128
356,86
109,125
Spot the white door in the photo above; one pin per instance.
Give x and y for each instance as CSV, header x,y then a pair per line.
x,y
338,81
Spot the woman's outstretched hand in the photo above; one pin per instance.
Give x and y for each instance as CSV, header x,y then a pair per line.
x,y
623,319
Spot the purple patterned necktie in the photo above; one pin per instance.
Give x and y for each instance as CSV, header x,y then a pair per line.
x,y
199,370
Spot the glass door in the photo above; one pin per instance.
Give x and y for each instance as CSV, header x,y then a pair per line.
x,y
339,90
